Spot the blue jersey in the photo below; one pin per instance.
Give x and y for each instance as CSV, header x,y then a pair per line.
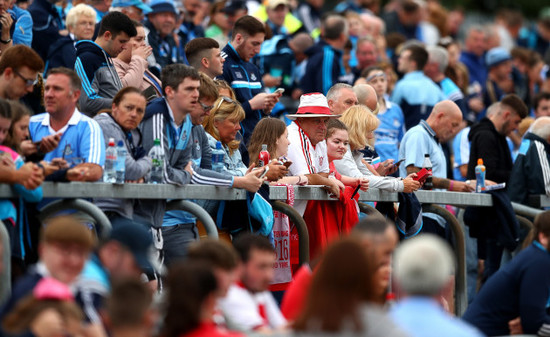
x,y
81,139
390,132
461,151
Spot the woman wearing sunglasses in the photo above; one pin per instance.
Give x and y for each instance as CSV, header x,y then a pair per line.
x,y
121,123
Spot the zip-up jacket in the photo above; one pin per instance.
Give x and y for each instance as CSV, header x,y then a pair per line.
x,y
61,54
531,171
246,80
324,67
46,26
100,81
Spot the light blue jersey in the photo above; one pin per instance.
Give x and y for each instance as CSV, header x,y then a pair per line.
x,y
390,132
461,151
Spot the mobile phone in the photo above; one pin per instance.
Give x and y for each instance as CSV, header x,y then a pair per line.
x,y
287,163
266,168
279,91
422,175
399,162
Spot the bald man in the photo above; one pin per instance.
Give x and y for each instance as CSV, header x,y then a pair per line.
x,y
366,95
426,138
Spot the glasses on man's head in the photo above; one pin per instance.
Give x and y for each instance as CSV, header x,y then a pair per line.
x,y
225,99
28,81
205,107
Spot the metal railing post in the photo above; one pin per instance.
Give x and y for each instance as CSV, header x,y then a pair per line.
x,y
5,271
199,212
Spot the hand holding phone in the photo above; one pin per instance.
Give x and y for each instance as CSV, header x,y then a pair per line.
x,y
399,162
279,91
422,175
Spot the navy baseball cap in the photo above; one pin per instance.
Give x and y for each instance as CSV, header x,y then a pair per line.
x,y
136,238
161,6
232,6
137,3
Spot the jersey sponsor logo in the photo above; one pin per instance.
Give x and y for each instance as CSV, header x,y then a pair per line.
x,y
238,74
253,77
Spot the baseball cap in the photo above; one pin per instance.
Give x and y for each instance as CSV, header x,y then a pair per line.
x,y
496,56
234,5
161,6
312,105
272,4
136,238
128,3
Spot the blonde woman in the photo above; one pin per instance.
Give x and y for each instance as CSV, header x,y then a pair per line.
x,y
361,123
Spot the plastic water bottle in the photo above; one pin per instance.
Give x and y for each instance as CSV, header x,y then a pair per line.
x,y
427,164
157,169
109,173
120,162
480,176
217,157
264,156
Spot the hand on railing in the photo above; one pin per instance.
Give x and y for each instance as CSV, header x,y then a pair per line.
x,y
30,176
251,181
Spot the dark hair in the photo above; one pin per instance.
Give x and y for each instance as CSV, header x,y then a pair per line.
x,y
513,101
137,24
342,283
125,91
208,88
18,111
198,48
542,224
5,109
333,125
267,131
246,242
419,55
249,26
217,253
128,302
116,23
543,95
189,284
20,56
173,75
365,73
71,74
333,26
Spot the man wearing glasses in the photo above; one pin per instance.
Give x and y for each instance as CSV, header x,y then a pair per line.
x,y
19,68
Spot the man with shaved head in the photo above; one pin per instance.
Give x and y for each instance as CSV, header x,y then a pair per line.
x,y
366,95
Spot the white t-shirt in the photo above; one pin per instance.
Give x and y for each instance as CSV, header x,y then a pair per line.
x,y
246,311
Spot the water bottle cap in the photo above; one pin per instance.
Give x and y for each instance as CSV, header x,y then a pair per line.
x,y
218,145
111,142
157,141
480,161
120,143
264,147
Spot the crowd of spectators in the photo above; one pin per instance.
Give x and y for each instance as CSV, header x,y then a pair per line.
x,y
353,98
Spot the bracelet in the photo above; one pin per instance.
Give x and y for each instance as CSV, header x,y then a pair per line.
x,y
299,180
5,41
451,185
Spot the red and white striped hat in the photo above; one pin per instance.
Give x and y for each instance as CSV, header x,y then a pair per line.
x,y
312,105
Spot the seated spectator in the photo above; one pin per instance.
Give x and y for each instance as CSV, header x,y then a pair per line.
x,y
391,130
218,27
416,104
422,270
132,66
190,309
135,9
361,124
64,247
541,104
191,24
338,300
47,24
273,133
528,174
129,309
22,26
341,97
18,135
19,68
70,139
518,289
80,21
499,65
249,306
204,55
224,89
94,64
49,311
121,124
161,23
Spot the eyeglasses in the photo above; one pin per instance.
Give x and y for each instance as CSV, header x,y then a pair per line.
x,y
28,82
205,107
225,99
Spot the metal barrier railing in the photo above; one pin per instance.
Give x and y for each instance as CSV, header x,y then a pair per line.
x,y
5,270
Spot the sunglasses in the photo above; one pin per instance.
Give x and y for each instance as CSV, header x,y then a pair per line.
x,y
205,107
373,76
225,99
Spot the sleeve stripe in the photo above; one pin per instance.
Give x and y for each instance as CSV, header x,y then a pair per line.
x,y
544,166
204,180
86,85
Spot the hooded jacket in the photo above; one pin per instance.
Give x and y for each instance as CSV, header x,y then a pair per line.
x,y
324,67
531,171
61,54
100,81
488,144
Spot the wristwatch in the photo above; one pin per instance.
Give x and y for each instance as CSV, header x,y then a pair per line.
x,y
5,41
